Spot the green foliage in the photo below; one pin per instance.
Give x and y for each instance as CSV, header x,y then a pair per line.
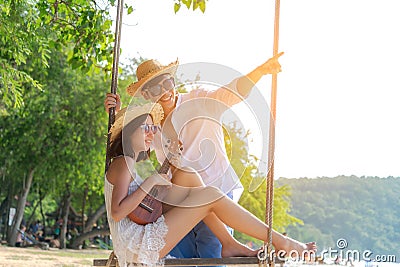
x,y
362,210
60,133
194,4
20,42
126,77
30,30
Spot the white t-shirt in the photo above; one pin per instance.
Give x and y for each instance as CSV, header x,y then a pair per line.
x,y
197,121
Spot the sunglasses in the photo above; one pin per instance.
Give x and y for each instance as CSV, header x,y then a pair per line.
x,y
156,90
146,128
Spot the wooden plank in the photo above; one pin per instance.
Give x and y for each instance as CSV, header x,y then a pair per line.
x,y
103,262
199,261
212,261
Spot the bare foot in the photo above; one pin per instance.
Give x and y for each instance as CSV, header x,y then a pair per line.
x,y
296,249
237,249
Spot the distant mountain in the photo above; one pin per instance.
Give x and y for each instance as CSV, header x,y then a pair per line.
x,y
362,212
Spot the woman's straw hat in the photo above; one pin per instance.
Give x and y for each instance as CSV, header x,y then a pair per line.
x,y
148,70
128,114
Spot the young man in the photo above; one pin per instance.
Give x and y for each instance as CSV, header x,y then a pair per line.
x,y
196,118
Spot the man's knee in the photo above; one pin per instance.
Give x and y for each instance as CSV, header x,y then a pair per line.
x,y
208,245
186,248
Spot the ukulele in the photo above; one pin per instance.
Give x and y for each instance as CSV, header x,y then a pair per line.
x,y
150,209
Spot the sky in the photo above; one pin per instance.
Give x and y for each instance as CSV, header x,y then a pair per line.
x,y
339,90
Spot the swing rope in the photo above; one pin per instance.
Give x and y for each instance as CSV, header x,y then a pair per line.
x,y
112,260
114,78
271,145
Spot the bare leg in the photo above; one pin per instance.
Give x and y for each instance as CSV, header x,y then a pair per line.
x,y
230,246
201,203
184,182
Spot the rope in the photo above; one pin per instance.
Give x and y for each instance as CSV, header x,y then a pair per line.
x,y
114,79
271,145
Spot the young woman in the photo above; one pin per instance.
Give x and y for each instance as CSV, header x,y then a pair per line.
x,y
189,200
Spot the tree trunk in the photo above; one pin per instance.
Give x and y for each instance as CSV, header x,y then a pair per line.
x,y
20,209
79,239
93,219
30,219
41,196
3,210
10,195
85,193
65,213
3,205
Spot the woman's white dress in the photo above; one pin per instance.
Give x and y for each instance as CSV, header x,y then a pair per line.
x,y
134,243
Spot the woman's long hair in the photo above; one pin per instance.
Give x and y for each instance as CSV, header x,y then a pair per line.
x,y
121,145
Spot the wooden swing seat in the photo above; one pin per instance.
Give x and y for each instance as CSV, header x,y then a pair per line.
x,y
247,261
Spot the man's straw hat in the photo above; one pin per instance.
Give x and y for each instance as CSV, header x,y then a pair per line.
x,y
148,70
128,114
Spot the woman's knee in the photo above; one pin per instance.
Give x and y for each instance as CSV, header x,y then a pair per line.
x,y
212,190
207,194
187,177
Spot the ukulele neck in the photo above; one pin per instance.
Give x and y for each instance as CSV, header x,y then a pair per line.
x,y
165,166
163,170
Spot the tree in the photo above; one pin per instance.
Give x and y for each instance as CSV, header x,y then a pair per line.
x,y
59,136
362,210
30,31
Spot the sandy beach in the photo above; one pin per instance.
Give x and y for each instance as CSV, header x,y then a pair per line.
x,y
11,256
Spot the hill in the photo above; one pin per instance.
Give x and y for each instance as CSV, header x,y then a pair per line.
x,y
362,212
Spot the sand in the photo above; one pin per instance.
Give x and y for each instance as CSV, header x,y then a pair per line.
x,y
10,256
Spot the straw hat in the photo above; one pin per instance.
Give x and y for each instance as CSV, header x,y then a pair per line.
x,y
149,70
128,114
